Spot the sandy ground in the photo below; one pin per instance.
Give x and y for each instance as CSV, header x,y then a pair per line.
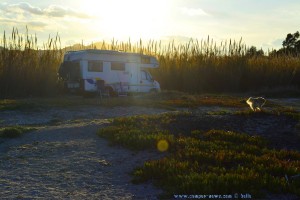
x,y
68,160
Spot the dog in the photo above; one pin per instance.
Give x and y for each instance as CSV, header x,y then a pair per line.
x,y
256,104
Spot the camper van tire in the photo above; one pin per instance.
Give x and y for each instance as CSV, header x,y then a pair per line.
x,y
85,94
153,91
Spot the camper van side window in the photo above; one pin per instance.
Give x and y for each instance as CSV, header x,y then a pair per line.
x,y
118,66
95,66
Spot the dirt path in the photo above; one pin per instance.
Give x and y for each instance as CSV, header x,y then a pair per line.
x,y
69,161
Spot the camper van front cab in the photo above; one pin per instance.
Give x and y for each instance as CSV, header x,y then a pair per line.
x,y
120,72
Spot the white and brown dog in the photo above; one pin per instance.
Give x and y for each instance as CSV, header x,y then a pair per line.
x,y
256,104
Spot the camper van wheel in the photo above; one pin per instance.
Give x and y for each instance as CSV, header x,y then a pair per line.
x,y
153,91
87,94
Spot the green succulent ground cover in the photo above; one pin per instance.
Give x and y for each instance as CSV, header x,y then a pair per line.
x,y
205,162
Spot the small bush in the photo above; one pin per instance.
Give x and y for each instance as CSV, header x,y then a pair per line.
x,y
13,132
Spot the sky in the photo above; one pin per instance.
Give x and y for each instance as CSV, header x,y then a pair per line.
x,y
260,23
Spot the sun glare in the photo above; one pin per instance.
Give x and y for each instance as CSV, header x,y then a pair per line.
x,y
133,19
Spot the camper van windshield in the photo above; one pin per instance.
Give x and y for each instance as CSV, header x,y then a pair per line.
x,y
149,77
146,76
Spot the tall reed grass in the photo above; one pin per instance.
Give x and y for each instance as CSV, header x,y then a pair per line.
x,y
208,67
24,68
205,66
196,67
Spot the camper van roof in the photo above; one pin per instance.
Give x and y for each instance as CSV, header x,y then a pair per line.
x,y
108,55
111,52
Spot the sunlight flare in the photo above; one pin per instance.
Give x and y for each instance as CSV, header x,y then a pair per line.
x,y
162,145
130,19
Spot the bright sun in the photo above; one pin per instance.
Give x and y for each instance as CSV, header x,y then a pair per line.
x,y
132,19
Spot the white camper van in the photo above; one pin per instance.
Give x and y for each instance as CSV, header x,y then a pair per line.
x,y
119,72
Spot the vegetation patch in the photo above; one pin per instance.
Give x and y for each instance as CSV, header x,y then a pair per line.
x,y
165,100
13,132
133,132
186,100
13,104
205,161
279,111
195,67
171,98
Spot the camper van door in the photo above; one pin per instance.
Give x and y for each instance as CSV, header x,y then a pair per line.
x,y
134,71
147,82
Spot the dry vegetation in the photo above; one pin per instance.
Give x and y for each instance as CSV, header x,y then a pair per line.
x,y
198,66
26,70
13,132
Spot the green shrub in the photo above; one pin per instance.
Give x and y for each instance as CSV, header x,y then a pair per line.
x,y
13,132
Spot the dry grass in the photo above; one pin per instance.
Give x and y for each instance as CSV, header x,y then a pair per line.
x,y
195,67
24,68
